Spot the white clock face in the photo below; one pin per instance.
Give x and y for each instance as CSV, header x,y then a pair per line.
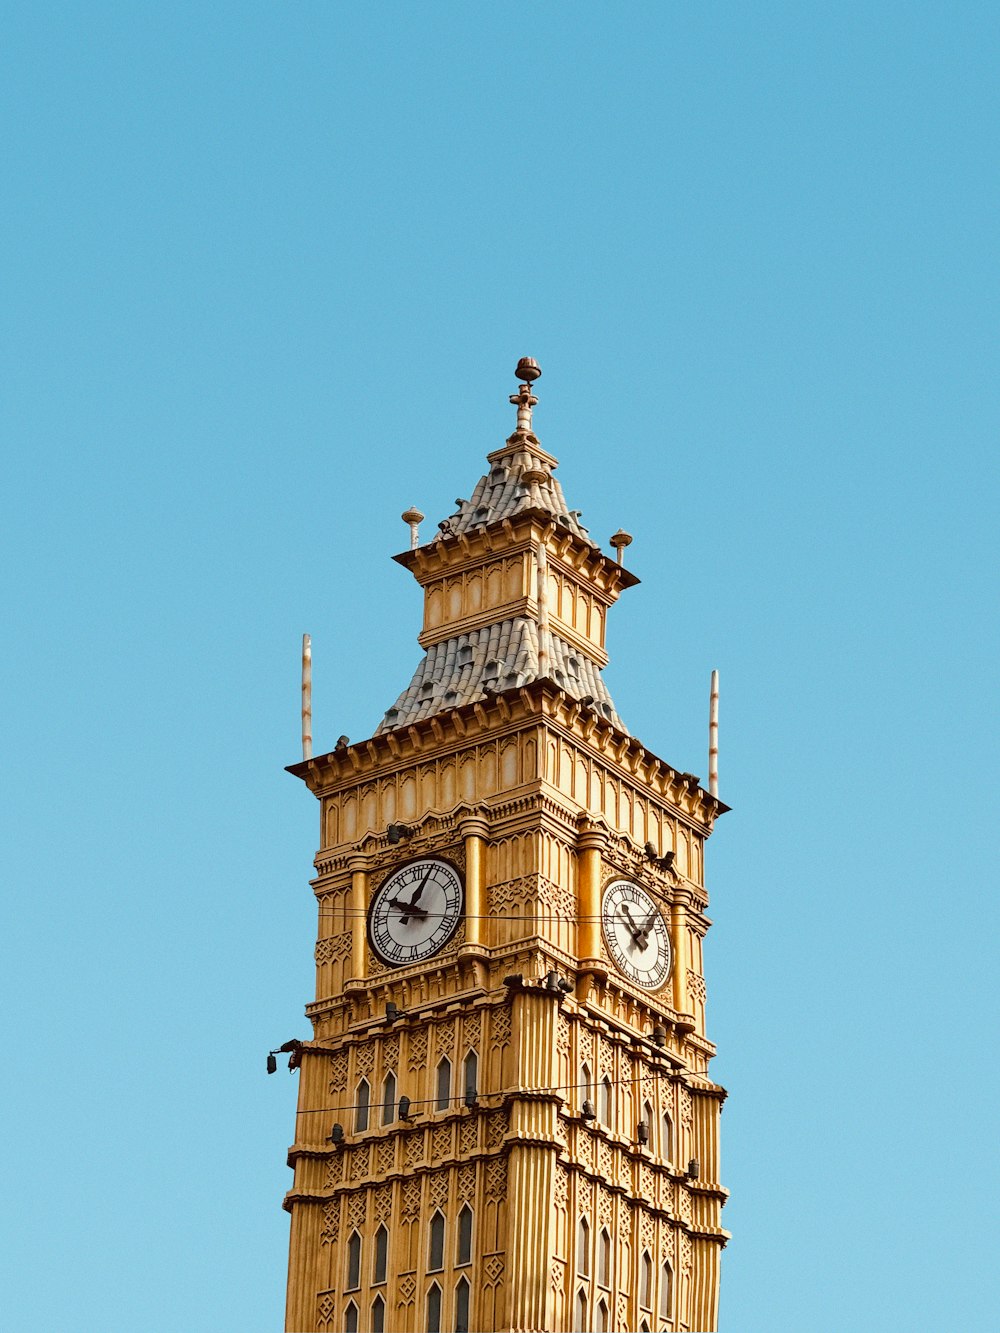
x,y
415,912
636,934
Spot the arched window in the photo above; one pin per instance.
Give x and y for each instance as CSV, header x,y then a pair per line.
x,y
604,1114
666,1291
583,1248
581,1311
378,1315
462,1306
585,1084
646,1282
389,1099
604,1259
435,1256
381,1256
351,1318
471,1074
434,1309
354,1262
465,1236
644,1327
361,1099
444,1084
667,1146
603,1319
647,1115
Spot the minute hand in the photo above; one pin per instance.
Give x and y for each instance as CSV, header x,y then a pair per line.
x,y
413,901
648,925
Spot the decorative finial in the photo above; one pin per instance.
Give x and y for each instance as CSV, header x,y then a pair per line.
x,y
524,400
414,517
620,540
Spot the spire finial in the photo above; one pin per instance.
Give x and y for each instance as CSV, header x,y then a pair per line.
x,y
524,400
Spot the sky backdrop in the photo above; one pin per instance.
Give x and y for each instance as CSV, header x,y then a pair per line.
x,y
267,268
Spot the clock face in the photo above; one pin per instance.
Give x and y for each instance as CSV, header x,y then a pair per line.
x,y
415,912
636,934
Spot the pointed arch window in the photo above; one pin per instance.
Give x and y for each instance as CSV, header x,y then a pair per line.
x,y
462,1293
443,1084
361,1100
581,1311
434,1309
585,1084
666,1291
354,1262
605,1094
435,1253
464,1251
646,1282
604,1258
647,1115
381,1264
471,1070
351,1318
389,1099
644,1327
583,1247
667,1131
603,1316
378,1315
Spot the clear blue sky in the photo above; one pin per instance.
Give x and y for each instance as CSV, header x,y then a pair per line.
x,y
267,268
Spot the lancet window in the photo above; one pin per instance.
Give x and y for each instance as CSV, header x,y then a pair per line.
x,y
583,1248
434,1309
354,1262
362,1097
464,1249
389,1099
462,1292
666,1291
435,1254
444,1084
381,1263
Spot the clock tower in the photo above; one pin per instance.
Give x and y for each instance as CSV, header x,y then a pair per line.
x,y
505,1116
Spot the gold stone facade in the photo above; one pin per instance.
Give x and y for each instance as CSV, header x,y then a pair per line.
x,y
558,1166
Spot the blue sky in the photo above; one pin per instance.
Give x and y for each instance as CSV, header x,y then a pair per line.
x,y
267,269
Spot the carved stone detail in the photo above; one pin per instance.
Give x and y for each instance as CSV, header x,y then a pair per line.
x,y
500,1026
390,1054
439,1189
334,948
330,1233
358,1167
407,1288
440,1142
383,1204
496,1130
414,1150
468,1137
472,1028
326,1308
385,1156
338,1072
410,1206
496,1179
364,1060
493,1270
357,1208
696,986
417,1056
466,1183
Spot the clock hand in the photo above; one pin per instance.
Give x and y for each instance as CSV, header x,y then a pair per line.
x,y
644,930
407,909
413,901
630,921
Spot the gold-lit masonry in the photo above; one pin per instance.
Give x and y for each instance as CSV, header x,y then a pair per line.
x,y
505,1119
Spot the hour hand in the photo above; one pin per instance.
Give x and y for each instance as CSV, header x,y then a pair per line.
x,y
408,910
630,922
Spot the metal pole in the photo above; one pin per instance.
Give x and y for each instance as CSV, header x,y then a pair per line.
x,y
307,704
713,736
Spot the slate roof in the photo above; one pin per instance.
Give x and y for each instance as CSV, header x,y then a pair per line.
x,y
520,477
498,657
502,656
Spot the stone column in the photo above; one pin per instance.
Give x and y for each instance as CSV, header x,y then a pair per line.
x,y
475,830
358,866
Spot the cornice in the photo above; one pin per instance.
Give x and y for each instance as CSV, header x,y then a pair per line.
x,y
539,702
454,554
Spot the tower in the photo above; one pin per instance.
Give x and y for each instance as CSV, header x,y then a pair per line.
x,y
505,1118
